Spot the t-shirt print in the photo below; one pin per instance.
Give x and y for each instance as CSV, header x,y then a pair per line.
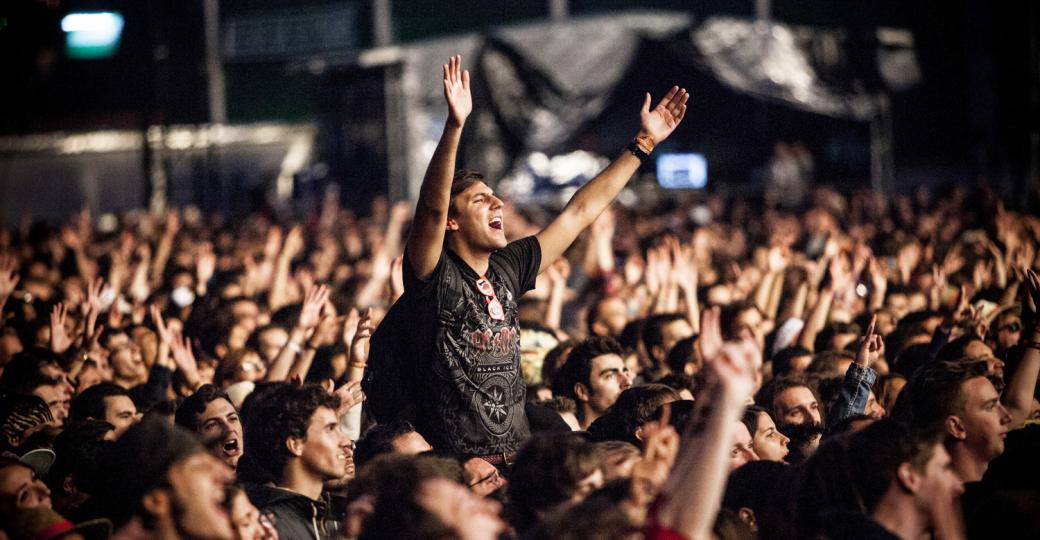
x,y
472,375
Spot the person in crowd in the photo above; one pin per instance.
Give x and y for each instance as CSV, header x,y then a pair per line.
x,y
107,402
793,402
594,375
397,437
660,334
958,399
627,418
247,522
743,450
20,489
161,483
465,279
751,490
766,441
75,477
607,317
210,414
418,501
556,469
483,478
37,371
887,481
294,436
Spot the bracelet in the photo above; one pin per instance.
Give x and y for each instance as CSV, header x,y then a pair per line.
x,y
638,151
645,142
360,365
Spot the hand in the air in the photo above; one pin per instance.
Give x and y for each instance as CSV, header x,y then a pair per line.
x,y
660,122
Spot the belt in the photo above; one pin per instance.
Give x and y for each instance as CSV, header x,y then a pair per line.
x,y
500,458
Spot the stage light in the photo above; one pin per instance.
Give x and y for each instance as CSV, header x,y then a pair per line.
x,y
92,35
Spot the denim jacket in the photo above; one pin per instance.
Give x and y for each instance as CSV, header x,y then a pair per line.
x,y
853,395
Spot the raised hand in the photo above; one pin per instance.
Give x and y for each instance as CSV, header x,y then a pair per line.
x,y
8,279
205,264
734,367
350,394
841,275
710,338
652,275
184,358
878,271
907,259
313,304
172,222
293,243
273,241
661,446
60,340
861,257
94,304
350,324
558,272
360,342
71,239
161,328
660,122
456,92
939,284
777,259
683,268
871,347
633,269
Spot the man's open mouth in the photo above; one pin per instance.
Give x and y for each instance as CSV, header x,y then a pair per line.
x,y
231,447
496,223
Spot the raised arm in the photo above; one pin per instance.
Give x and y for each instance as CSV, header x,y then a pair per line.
x,y
431,213
1018,396
859,379
693,492
589,201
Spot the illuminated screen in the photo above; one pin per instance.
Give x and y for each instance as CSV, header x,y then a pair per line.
x,y
682,171
92,35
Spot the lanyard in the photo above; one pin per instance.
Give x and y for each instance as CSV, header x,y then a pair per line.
x,y
494,306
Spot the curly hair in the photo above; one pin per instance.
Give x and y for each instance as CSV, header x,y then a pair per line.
x,y
285,411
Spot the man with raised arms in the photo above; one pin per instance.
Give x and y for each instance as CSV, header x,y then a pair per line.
x,y
463,280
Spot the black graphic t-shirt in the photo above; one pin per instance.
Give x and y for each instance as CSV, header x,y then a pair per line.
x,y
471,388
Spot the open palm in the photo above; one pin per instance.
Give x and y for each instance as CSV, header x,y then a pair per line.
x,y
456,91
660,122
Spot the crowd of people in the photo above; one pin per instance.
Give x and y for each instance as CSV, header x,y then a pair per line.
x,y
858,366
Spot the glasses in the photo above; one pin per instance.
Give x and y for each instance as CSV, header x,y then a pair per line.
x,y
494,306
493,478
